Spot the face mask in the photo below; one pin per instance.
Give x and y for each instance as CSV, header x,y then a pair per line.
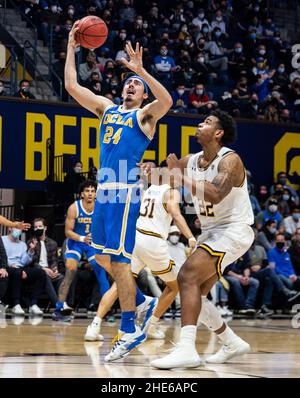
x,y
187,42
238,50
145,25
78,169
205,30
71,11
184,29
68,27
54,9
286,197
201,16
25,90
39,232
200,59
256,9
174,239
253,36
199,92
218,34
281,70
16,233
272,230
164,52
280,245
219,19
273,208
296,217
262,52
123,36
180,92
113,85
139,21
282,180
254,102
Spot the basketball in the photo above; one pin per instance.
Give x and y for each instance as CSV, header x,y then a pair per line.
x,y
92,32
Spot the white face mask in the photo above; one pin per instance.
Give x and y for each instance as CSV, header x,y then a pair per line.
x,y
71,11
174,239
180,92
78,169
273,208
123,36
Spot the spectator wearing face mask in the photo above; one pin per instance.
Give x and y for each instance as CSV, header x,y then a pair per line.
x,y
200,20
294,252
120,40
283,206
45,257
292,222
219,22
267,235
19,257
280,77
164,67
270,213
282,179
252,109
24,91
95,84
199,101
177,249
127,12
183,33
279,257
180,99
89,67
236,60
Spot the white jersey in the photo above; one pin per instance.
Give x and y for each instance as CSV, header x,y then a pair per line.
x,y
154,217
234,208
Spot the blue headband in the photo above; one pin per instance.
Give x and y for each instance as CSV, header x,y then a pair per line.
x,y
141,80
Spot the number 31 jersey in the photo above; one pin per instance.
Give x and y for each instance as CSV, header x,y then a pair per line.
x,y
234,208
154,219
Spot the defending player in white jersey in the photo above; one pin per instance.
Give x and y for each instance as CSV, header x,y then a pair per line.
x,y
159,207
217,181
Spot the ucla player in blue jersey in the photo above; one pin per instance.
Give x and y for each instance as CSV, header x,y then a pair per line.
x,y
78,231
125,133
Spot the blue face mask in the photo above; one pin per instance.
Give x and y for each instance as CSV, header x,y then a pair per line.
x,y
16,233
218,33
205,30
296,216
238,50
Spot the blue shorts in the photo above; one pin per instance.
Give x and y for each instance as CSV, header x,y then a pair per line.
x,y
76,249
114,223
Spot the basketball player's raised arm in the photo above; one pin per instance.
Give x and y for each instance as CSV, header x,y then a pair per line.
x,y
172,199
69,226
231,174
90,101
152,112
14,224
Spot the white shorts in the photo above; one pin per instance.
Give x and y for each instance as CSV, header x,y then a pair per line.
x,y
152,252
228,243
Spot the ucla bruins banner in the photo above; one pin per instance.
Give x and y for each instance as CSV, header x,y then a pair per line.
x,y
27,127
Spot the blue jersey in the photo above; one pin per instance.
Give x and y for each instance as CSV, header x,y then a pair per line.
x,y
83,220
121,140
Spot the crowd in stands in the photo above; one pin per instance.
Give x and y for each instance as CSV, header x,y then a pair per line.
x,y
266,278
218,53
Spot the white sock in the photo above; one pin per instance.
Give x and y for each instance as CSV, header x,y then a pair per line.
x,y
188,335
97,321
227,336
154,320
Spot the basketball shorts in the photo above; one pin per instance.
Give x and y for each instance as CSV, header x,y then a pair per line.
x,y
227,243
75,250
152,252
114,221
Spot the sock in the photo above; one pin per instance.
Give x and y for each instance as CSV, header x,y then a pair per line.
x,y
101,277
227,336
97,321
127,322
154,320
188,335
59,305
140,298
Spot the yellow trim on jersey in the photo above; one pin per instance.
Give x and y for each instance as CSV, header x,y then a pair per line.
x,y
214,253
121,248
150,233
165,271
97,246
134,274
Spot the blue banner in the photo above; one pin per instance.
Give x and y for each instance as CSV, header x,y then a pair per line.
x,y
25,127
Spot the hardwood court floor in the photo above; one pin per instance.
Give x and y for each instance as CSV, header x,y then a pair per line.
x,y
51,349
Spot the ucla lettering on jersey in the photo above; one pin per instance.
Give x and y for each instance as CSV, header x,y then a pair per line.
x,y
122,139
83,220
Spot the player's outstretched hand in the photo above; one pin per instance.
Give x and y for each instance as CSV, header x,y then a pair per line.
x,y
146,167
72,40
136,58
22,225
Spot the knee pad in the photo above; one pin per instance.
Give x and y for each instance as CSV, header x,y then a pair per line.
x,y
209,315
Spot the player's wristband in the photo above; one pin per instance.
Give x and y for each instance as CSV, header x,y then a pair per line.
x,y
81,238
